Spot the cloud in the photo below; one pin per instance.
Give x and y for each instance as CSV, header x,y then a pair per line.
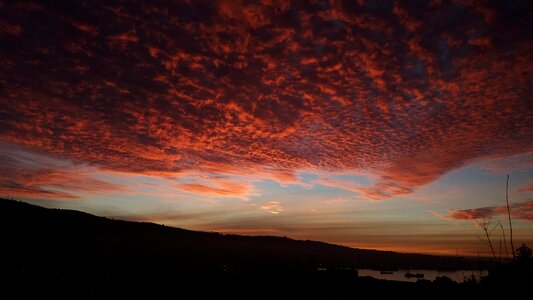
x,y
340,184
522,211
28,175
16,189
273,207
223,188
53,184
10,29
526,188
336,201
405,92
504,165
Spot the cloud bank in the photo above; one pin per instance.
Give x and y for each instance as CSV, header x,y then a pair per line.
x,y
405,91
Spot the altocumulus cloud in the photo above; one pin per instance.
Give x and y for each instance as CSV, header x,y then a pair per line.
x,y
406,91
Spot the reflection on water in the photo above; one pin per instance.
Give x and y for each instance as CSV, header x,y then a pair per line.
x,y
399,275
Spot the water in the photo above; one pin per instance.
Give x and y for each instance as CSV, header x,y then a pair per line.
x,y
458,276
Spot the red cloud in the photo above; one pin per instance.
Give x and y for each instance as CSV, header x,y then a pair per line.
x,y
27,175
15,189
6,28
405,92
223,188
523,211
52,184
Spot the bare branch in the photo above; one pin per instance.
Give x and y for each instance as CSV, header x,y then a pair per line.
x,y
485,225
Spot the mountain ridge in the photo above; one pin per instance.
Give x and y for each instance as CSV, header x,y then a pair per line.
x,y
84,223
68,252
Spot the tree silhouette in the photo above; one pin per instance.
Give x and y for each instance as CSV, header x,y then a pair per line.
x,y
523,253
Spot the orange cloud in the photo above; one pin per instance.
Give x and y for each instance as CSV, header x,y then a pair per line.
x,y
222,188
522,211
335,201
29,175
341,184
53,184
399,91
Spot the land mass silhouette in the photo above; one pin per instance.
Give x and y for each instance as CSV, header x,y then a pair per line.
x,y
58,251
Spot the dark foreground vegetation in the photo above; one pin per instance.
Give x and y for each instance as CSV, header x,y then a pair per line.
x,y
52,252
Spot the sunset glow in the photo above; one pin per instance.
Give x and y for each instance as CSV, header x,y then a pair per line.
x,y
373,125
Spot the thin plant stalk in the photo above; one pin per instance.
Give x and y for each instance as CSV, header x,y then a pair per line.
x,y
509,213
504,240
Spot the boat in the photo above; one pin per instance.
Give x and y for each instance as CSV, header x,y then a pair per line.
x,y
385,272
413,275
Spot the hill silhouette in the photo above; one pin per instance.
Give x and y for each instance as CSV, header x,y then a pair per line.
x,y
57,251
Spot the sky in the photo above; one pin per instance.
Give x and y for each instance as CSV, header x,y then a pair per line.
x,y
371,124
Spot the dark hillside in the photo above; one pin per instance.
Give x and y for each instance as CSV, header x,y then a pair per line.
x,y
52,248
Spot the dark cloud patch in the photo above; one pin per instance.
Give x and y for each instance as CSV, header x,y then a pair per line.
x,y
522,211
408,91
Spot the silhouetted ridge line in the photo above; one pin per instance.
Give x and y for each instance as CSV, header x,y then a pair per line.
x,y
29,220
44,248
